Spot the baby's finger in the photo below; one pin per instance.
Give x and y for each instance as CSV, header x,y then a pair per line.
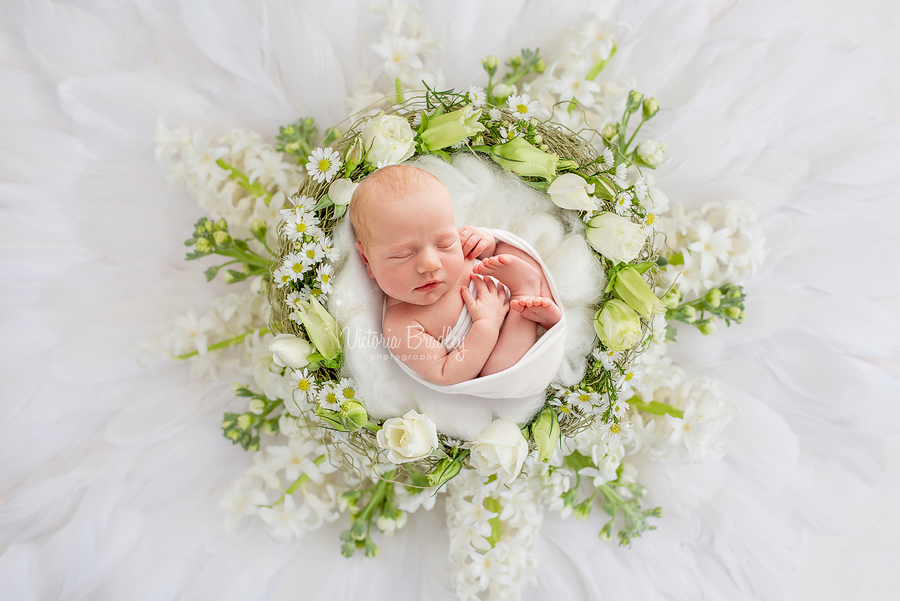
x,y
481,247
479,285
467,297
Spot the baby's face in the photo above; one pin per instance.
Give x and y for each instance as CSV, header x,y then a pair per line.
x,y
414,252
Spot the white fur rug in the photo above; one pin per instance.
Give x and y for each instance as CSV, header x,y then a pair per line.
x,y
111,471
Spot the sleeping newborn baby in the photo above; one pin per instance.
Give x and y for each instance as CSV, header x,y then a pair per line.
x,y
430,271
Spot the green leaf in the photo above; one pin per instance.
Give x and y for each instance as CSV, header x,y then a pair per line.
x,y
339,210
212,272
643,267
323,203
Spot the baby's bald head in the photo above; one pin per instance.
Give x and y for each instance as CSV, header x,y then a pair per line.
x,y
391,184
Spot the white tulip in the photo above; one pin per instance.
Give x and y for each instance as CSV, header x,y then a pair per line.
x,y
387,139
616,238
290,351
500,449
341,191
570,191
408,438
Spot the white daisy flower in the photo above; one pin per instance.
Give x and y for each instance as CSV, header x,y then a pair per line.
x,y
323,164
560,402
327,397
306,224
476,96
630,377
608,358
295,298
508,134
640,188
614,432
345,390
325,274
328,251
312,252
622,203
619,408
608,159
523,106
581,400
295,264
299,205
304,384
621,174
495,114
650,219
283,276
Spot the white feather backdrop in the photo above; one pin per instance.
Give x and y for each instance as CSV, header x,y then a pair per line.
x,y
111,471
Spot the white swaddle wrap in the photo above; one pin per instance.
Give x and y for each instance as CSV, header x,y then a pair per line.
x,y
524,382
485,197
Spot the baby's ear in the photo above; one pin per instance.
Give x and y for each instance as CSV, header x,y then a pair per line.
x,y
362,255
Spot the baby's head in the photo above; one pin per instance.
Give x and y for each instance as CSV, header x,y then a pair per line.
x,y
406,233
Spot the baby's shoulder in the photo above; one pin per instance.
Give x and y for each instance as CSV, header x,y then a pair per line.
x,y
400,322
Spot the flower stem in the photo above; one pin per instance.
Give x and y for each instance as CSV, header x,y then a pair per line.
x,y
225,343
493,505
595,70
398,90
244,182
631,139
298,482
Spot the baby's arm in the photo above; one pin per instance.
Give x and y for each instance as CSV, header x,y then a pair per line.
x,y
426,356
476,243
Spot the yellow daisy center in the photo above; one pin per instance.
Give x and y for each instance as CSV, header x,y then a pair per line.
x,y
331,397
324,165
297,267
325,278
349,393
311,254
584,398
303,385
615,429
628,376
522,108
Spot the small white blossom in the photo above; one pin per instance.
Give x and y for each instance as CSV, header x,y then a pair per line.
x,y
476,96
323,164
522,106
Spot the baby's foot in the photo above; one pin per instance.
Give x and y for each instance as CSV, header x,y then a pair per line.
x,y
521,278
539,309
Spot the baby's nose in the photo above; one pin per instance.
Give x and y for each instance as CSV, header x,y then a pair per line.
x,y
429,261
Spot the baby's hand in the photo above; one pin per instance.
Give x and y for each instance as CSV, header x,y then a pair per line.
x,y
475,241
491,303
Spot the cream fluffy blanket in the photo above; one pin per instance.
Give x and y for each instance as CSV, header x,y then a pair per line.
x,y
484,196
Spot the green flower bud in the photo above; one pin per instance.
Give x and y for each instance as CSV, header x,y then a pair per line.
x,y
502,91
515,62
208,225
331,418
448,129
538,139
244,421
610,132
257,406
270,427
234,434
221,225
221,238
714,297
320,326
203,245
708,328
353,415
582,510
444,471
617,326
523,159
490,63
371,548
733,312
258,228
540,66
253,446
634,101
631,288
690,314
545,431
606,532
358,530
355,154
651,107
672,298
735,292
